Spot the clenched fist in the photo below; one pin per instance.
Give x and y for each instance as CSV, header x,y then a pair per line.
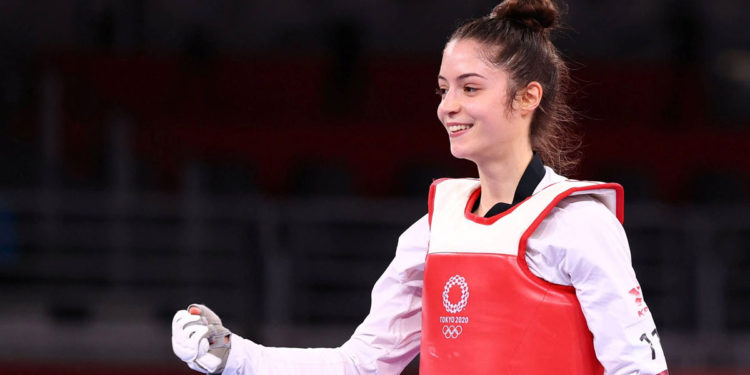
x,y
199,339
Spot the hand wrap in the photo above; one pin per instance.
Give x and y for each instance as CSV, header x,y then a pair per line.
x,y
200,340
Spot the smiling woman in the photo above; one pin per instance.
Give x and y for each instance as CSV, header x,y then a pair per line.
x,y
521,271
481,127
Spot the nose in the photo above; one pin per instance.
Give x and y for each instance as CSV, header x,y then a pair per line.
x,y
449,105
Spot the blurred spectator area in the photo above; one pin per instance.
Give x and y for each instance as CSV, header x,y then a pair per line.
x,y
278,123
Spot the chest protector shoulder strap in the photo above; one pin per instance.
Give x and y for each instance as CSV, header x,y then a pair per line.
x,y
483,311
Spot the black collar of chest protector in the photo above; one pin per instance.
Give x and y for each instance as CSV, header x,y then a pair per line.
x,y
531,177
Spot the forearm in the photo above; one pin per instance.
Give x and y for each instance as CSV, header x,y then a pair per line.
x,y
249,358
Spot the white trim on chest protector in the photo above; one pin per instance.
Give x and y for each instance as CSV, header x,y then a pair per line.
x,y
502,236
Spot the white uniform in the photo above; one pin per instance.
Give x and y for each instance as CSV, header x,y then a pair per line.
x,y
580,243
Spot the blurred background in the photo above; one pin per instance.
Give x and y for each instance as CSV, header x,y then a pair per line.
x,y
262,157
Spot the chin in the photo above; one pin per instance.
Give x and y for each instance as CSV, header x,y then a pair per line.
x,y
460,152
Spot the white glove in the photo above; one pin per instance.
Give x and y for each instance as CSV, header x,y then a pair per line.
x,y
200,340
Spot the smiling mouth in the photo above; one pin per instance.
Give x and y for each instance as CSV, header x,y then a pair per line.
x,y
453,129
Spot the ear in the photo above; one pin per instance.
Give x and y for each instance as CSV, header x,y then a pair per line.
x,y
529,98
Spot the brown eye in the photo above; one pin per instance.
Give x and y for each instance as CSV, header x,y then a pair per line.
x,y
440,91
470,90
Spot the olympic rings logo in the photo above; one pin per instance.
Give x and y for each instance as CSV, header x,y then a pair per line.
x,y
459,281
452,332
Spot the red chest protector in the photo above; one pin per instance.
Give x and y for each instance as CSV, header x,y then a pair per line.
x,y
483,311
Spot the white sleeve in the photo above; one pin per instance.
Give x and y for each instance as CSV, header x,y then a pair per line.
x,y
386,341
581,243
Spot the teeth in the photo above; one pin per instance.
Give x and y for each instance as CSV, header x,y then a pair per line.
x,y
457,128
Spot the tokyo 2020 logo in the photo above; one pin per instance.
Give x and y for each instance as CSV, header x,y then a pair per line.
x,y
453,330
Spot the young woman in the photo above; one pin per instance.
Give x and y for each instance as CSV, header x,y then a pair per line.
x,y
518,272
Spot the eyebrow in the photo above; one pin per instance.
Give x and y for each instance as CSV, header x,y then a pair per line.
x,y
464,76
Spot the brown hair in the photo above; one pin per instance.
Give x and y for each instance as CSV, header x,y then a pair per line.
x,y
517,34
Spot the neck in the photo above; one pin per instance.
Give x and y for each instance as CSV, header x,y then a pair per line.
x,y
499,179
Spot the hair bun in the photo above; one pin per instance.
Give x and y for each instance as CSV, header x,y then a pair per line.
x,y
534,14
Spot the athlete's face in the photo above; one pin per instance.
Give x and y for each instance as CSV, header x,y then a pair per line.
x,y
473,106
